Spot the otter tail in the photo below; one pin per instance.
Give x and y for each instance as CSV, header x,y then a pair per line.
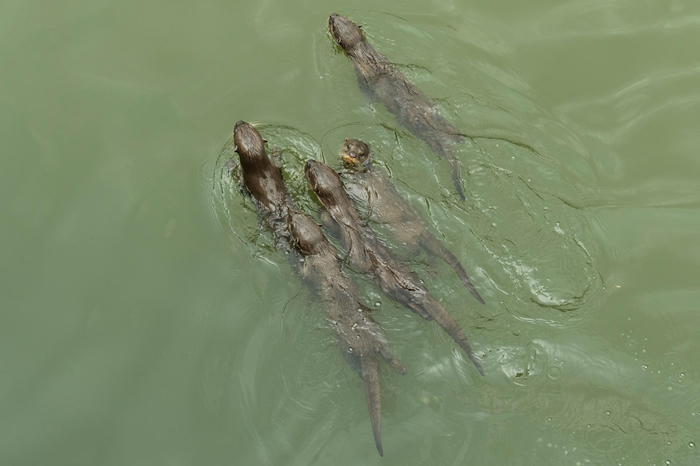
x,y
438,148
437,248
370,379
456,178
447,322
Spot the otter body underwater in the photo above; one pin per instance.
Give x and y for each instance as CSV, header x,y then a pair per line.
x,y
386,206
366,253
360,338
412,109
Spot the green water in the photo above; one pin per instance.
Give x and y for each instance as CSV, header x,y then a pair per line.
x,y
147,320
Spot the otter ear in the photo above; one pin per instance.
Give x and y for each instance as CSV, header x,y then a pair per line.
x,y
265,140
235,148
345,141
359,26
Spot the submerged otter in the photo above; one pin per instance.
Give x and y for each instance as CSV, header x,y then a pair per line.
x,y
412,109
358,335
386,206
367,254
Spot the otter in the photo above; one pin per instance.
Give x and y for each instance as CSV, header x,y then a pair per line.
x,y
263,181
385,83
359,336
386,206
367,254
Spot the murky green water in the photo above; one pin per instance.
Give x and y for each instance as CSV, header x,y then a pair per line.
x,y
146,320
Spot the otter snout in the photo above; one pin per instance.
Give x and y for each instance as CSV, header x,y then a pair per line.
x,y
247,140
344,32
354,152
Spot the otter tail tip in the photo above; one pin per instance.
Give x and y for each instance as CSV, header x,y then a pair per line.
x,y
476,364
476,295
380,449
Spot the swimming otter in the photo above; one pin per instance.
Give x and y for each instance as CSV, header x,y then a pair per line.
x,y
386,206
412,109
367,254
358,335
263,181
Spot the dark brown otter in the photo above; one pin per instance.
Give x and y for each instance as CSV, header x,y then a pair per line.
x,y
263,181
367,254
412,109
358,335
386,206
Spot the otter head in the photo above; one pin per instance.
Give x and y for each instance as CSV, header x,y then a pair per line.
x,y
306,234
324,181
354,153
345,33
250,146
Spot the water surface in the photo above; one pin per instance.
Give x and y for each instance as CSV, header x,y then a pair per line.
x,y
148,320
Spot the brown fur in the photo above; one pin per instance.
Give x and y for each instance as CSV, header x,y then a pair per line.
x,y
359,336
386,206
368,255
410,106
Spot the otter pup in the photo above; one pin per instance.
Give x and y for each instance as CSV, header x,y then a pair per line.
x,y
367,254
388,207
412,109
359,336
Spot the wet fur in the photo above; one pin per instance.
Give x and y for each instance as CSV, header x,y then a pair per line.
x,y
388,207
367,254
410,106
359,336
